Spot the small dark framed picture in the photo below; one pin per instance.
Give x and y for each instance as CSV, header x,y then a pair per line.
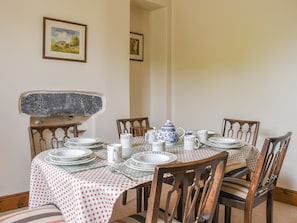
x,y
136,46
64,40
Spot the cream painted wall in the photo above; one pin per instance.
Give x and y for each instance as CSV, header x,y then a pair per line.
x,y
229,59
237,59
160,76
150,82
23,69
139,70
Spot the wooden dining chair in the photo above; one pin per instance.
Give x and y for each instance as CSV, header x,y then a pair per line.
x,y
198,193
43,137
245,195
247,131
43,214
137,127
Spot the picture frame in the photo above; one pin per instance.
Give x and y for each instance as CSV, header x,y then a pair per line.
x,y
136,46
64,40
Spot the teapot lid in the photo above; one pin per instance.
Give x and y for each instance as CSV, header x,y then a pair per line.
x,y
168,126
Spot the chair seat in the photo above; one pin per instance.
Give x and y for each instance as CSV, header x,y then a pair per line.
x,y
140,218
43,214
235,188
234,166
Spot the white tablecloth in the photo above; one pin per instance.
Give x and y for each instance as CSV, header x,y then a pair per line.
x,y
89,196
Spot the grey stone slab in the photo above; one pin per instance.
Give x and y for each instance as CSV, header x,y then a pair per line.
x,y
46,104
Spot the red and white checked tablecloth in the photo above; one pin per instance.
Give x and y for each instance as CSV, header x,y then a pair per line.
x,y
89,196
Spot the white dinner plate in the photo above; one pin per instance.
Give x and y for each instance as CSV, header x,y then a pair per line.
x,y
67,154
136,166
57,161
224,140
225,146
83,141
153,158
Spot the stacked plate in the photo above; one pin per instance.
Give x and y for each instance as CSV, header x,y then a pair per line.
x,y
88,143
146,161
66,156
211,133
224,142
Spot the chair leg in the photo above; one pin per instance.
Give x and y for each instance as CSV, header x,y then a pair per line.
x,y
248,213
227,214
138,199
216,214
269,207
146,194
124,201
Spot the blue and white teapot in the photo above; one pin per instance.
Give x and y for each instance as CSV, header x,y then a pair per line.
x,y
169,133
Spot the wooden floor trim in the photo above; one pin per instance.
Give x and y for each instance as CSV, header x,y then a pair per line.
x,y
19,200
14,201
286,196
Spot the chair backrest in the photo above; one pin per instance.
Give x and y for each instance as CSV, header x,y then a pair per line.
x,y
136,126
201,182
246,130
43,137
269,165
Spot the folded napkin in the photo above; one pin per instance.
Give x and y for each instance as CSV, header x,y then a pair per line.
x,y
134,174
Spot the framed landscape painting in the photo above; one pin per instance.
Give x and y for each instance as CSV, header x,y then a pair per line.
x,y
136,46
64,40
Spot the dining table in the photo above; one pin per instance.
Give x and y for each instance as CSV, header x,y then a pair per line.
x,y
88,192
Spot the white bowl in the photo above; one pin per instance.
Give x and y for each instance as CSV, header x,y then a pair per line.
x,y
153,158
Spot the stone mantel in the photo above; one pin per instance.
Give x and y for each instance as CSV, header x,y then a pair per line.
x,y
52,107
60,103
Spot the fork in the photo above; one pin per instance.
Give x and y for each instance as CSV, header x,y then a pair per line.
x,y
114,170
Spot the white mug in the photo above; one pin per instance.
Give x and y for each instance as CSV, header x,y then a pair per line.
x,y
158,145
150,136
126,142
202,135
114,153
191,142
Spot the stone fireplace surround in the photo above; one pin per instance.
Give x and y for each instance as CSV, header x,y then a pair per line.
x,y
46,107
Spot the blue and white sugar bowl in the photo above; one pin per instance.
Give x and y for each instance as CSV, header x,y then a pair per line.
x,y
169,133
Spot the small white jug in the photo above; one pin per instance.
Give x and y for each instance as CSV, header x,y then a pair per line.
x,y
126,142
114,153
191,142
202,135
158,145
150,136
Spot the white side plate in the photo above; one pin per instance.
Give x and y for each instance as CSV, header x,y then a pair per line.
x,y
225,146
94,146
133,165
69,154
224,140
55,161
83,141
